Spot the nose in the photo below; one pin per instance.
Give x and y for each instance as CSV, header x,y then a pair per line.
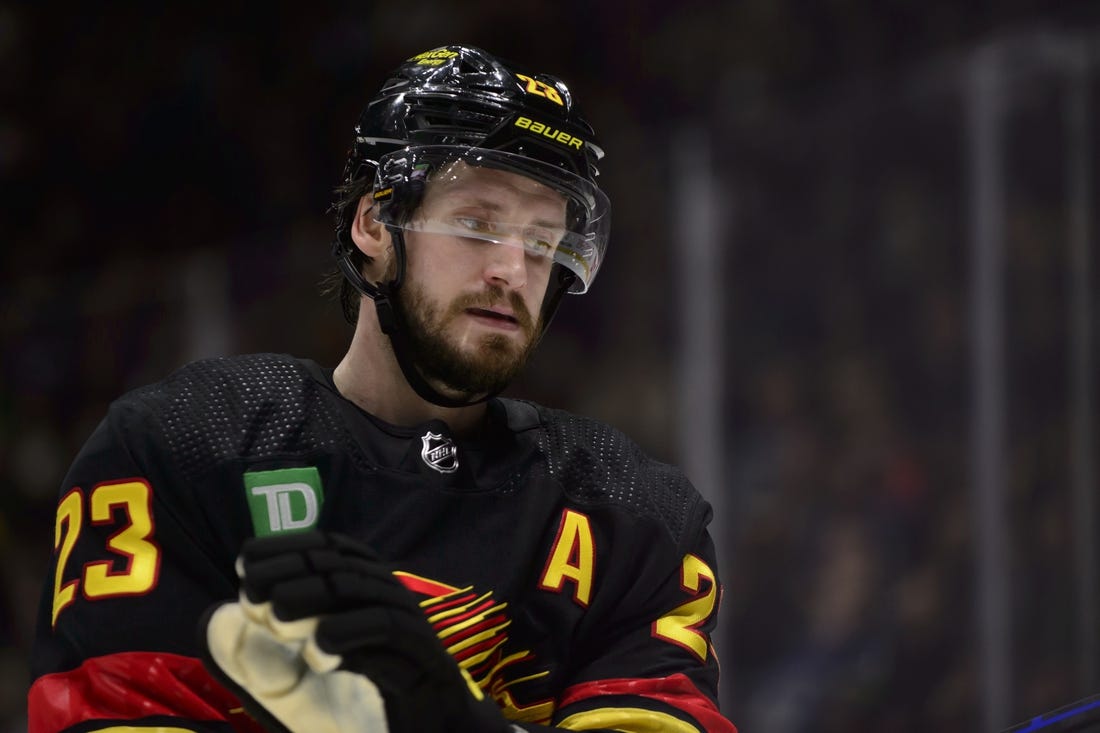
x,y
506,265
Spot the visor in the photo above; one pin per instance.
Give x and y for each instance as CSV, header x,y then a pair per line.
x,y
459,191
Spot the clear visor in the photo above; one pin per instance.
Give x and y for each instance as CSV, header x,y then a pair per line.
x,y
497,197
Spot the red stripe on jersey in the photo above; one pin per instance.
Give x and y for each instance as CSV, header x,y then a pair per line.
x,y
452,620
473,651
676,690
130,686
424,586
451,639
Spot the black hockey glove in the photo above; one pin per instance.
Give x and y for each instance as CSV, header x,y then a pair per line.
x,y
325,640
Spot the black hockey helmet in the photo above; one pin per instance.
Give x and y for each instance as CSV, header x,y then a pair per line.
x,y
461,103
460,95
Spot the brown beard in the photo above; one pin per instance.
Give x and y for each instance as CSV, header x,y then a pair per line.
x,y
496,363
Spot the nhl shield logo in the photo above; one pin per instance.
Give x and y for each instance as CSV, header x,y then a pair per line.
x,y
439,452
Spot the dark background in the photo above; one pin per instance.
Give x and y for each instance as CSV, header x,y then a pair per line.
x,y
166,174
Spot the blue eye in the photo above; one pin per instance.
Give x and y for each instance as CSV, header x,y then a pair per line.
x,y
474,225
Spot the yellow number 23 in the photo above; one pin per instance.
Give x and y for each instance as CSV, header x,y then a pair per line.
x,y
132,543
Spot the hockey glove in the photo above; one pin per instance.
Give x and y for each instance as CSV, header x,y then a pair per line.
x,y
324,639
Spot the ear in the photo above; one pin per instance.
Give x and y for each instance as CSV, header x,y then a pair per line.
x,y
368,234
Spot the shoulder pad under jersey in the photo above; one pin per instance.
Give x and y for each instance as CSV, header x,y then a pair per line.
x,y
595,463
247,407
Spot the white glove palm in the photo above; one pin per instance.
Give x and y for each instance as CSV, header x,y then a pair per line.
x,y
325,640
280,667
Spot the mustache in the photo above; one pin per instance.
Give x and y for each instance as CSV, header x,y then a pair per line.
x,y
495,297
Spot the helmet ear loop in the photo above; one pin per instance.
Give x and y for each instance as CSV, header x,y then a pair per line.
x,y
343,249
404,199
385,292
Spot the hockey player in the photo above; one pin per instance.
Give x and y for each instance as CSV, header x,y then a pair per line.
x,y
259,542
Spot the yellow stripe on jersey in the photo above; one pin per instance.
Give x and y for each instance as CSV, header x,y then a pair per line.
x,y
140,729
628,720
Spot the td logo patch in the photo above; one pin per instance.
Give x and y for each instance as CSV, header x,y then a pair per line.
x,y
284,500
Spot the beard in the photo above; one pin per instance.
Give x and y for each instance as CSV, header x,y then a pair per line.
x,y
493,362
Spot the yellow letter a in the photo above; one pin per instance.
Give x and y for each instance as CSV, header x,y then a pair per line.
x,y
572,557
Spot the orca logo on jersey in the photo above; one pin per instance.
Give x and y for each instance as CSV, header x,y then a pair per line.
x,y
439,452
283,500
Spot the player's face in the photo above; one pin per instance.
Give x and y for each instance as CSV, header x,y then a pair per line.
x,y
479,259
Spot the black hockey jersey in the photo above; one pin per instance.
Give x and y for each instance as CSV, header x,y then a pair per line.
x,y
568,573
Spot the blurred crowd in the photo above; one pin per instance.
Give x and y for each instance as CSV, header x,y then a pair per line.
x,y
854,580
167,178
